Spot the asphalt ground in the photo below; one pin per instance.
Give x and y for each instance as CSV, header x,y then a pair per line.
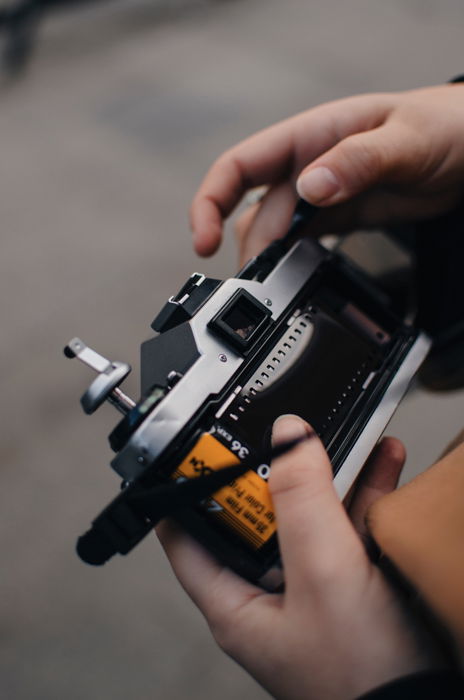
x,y
103,141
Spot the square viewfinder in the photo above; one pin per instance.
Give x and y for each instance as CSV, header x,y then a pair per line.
x,y
241,320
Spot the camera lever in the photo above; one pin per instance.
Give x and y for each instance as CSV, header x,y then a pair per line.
x,y
106,385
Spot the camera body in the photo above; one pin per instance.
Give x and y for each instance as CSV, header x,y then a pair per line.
x,y
299,330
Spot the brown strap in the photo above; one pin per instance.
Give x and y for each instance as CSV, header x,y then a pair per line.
x,y
420,527
454,443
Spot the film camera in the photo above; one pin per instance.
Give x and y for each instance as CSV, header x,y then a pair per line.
x,y
299,330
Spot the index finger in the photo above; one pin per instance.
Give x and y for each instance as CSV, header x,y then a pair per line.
x,y
275,154
264,158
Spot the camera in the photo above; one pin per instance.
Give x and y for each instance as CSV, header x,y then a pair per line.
x,y
300,329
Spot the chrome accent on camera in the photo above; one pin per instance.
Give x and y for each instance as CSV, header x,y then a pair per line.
x,y
105,387
349,470
209,375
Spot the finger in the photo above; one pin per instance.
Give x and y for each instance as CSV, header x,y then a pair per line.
x,y
216,590
266,222
243,224
390,153
380,475
379,207
263,158
315,534
272,155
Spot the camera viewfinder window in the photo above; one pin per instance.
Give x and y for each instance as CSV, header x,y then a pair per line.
x,y
242,320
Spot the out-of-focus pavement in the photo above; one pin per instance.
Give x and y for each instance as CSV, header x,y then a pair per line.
x,y
102,143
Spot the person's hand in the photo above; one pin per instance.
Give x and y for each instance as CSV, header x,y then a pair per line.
x,y
338,630
367,161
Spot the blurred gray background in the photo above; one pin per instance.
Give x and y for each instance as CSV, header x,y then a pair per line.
x,y
103,141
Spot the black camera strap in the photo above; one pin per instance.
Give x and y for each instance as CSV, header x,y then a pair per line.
x,y
127,519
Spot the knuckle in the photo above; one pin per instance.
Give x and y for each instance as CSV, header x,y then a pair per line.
x,y
296,476
285,478
362,161
228,162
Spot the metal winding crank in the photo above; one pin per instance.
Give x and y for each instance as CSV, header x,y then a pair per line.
x,y
105,387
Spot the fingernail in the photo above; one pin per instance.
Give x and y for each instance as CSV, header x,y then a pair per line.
x,y
317,185
288,427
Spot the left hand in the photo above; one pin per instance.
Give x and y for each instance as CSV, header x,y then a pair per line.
x,y
366,161
339,629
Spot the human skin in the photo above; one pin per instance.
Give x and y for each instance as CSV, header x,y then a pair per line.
x,y
366,161
339,629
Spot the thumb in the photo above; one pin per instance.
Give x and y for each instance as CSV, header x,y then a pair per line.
x,y
314,531
387,154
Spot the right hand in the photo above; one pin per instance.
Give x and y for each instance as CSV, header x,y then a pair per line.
x,y
339,629
366,161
